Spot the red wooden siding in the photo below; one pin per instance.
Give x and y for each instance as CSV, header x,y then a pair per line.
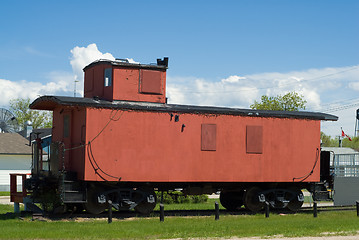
x,y
149,147
128,84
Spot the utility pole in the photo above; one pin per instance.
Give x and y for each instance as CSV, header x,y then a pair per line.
x,y
356,132
76,81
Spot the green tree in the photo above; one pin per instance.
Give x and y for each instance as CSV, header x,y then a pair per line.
x,y
328,141
354,143
39,119
291,101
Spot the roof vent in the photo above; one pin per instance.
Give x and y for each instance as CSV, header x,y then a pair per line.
x,y
163,62
122,60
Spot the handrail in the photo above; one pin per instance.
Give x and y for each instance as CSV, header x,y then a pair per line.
x,y
15,196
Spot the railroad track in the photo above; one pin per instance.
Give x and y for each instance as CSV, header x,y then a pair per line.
x,y
329,208
185,213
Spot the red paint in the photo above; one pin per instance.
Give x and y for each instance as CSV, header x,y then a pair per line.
x,y
208,137
126,84
16,196
150,146
151,82
74,159
254,139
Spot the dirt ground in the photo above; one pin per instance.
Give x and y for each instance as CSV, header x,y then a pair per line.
x,y
5,200
302,238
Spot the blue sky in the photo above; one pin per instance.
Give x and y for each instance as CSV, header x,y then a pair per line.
x,y
223,53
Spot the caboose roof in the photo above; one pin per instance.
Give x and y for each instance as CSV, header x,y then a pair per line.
x,y
51,102
124,64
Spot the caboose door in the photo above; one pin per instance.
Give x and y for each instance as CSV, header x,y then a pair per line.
x,y
66,138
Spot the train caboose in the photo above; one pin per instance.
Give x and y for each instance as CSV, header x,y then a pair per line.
x,y
122,141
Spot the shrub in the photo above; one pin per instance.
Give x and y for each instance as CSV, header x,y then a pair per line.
x,y
167,199
171,197
199,198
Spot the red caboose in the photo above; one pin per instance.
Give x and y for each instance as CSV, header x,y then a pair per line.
x,y
122,141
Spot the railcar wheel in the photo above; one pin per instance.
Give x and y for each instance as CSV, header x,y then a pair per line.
x,y
93,206
251,200
148,202
231,200
294,204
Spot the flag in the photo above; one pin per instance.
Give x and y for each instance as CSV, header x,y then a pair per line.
x,y
344,135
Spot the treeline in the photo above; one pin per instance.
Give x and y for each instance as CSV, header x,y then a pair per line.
x,y
328,141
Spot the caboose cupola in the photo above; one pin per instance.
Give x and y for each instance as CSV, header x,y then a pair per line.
x,y
121,80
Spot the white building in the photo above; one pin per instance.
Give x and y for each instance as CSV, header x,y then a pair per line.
x,y
15,157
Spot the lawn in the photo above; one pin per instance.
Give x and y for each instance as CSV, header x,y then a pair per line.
x,y
289,225
209,205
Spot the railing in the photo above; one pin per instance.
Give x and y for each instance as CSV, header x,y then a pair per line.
x,y
346,165
49,159
15,195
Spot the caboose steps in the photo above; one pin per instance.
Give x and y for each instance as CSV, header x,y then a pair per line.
x,y
73,192
320,192
74,197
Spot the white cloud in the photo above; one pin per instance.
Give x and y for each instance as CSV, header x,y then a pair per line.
x,y
197,91
59,82
10,90
232,79
320,87
243,90
130,60
354,86
82,56
312,97
346,121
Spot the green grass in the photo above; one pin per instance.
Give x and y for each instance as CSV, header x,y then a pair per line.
x,y
209,205
288,225
346,223
4,193
6,208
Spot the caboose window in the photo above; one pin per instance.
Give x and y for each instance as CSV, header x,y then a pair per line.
x,y
151,82
66,126
208,137
108,77
254,141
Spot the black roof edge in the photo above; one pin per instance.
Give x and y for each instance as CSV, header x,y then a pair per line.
x,y
122,63
174,108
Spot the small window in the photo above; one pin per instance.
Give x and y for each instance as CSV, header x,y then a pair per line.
x,y
66,126
254,141
108,77
208,138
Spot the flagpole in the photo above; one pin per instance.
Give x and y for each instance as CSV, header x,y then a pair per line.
x,y
340,138
356,132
